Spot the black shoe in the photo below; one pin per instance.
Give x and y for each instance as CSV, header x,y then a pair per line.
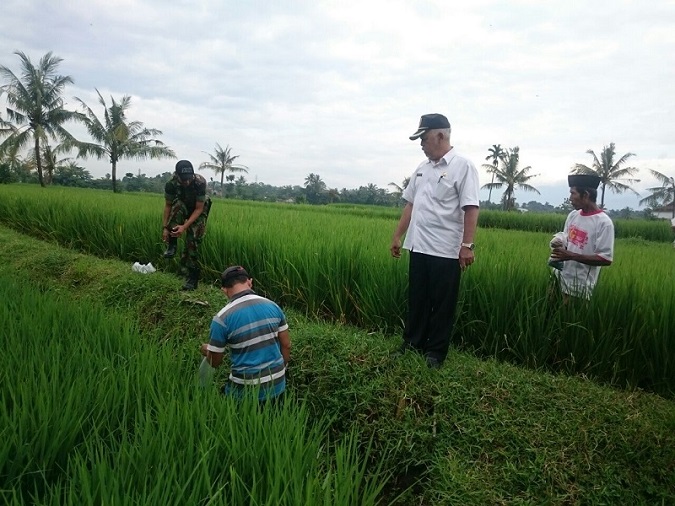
x,y
171,248
433,362
192,280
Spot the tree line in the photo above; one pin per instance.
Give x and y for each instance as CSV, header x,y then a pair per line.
x,y
613,174
36,117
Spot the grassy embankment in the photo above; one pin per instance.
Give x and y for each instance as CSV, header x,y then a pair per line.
x,y
475,432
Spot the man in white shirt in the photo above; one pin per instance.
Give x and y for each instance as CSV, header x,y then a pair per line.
x,y
439,221
590,239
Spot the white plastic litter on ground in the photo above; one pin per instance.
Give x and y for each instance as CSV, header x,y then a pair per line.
x,y
143,268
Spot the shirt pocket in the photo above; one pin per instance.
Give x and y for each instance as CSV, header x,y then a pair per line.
x,y
444,190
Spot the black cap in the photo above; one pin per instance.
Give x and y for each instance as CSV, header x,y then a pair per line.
x,y
233,272
430,122
184,169
583,181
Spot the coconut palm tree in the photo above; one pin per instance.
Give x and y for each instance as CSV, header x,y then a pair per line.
x,y
333,195
661,195
612,174
51,160
511,177
496,155
221,162
116,137
398,190
315,189
19,168
5,127
35,105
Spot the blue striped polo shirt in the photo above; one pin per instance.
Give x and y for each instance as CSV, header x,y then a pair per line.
x,y
249,325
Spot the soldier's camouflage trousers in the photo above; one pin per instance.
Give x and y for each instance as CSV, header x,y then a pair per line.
x,y
193,235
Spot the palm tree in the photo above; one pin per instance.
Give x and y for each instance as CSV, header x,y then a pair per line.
x,y
5,127
398,190
18,167
35,105
661,195
610,172
51,160
333,195
315,188
117,137
496,154
221,162
510,176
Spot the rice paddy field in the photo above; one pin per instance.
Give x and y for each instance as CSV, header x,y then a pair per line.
x,y
538,402
334,263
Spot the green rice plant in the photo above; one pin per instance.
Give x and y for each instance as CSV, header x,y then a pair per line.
x,y
530,222
508,312
91,414
337,266
474,432
649,230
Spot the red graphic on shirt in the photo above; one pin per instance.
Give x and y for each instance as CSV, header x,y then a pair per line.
x,y
577,236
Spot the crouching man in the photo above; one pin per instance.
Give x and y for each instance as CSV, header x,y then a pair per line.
x,y
256,332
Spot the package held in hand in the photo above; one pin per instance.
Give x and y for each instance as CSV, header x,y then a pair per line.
x,y
559,241
206,373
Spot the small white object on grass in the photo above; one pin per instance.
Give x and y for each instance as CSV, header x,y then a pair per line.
x,y
143,268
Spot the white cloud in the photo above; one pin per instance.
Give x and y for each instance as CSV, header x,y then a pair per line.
x,y
335,87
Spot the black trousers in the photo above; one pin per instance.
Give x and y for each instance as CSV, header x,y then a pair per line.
x,y
433,285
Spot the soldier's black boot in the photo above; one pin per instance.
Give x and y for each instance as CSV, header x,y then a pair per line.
x,y
192,279
171,248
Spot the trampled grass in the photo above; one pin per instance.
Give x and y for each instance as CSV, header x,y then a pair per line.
x,y
475,432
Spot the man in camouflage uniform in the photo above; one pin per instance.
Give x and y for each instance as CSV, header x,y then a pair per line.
x,y
186,210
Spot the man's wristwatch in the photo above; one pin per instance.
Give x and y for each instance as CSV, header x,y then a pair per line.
x,y
469,245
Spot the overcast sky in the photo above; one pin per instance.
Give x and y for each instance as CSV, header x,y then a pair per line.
x,y
336,87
